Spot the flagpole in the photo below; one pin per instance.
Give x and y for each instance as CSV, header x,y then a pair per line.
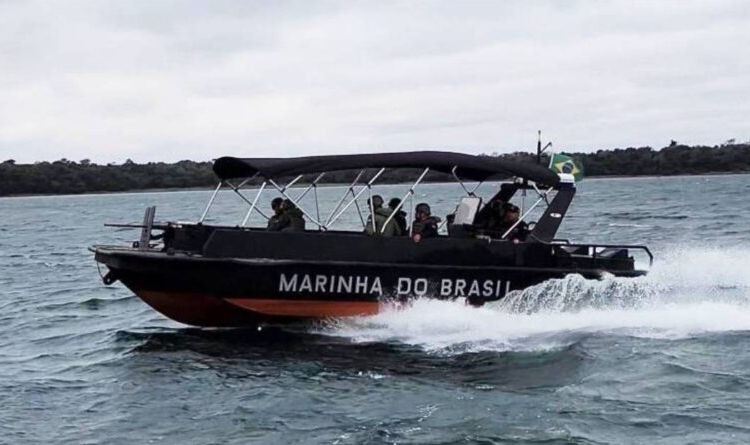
x,y
539,148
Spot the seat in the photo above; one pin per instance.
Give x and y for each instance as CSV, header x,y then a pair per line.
x,y
467,210
463,217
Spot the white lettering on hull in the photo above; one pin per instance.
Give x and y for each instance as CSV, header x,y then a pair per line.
x,y
404,286
333,284
476,288
288,284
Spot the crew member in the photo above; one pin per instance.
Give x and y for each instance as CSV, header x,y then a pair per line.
x,y
399,217
491,216
425,225
291,218
381,215
273,221
511,218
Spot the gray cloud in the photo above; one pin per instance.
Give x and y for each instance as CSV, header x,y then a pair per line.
x,y
174,80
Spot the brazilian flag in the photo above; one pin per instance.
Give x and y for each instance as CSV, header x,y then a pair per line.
x,y
559,163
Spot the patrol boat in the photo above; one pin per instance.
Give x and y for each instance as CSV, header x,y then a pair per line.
x,y
210,275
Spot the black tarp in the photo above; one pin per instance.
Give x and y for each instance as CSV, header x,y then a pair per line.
x,y
469,167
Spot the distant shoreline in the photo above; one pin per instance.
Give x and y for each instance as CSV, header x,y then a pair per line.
x,y
340,184
66,177
679,175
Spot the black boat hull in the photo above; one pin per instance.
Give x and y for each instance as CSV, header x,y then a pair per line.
x,y
234,292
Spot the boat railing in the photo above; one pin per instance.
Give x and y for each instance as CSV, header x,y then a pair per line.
x,y
594,250
560,241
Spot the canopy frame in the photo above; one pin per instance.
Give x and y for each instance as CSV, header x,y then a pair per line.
x,y
255,201
349,189
409,194
236,190
355,191
211,202
368,186
461,183
282,190
542,198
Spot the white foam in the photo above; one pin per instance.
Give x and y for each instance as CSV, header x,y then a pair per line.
x,y
690,292
440,325
702,267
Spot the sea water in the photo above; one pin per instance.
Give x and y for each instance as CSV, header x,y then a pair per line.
x,y
661,359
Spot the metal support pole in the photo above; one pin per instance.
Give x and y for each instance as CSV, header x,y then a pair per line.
x,y
372,211
242,184
317,206
362,190
541,194
409,193
237,191
312,185
356,205
479,184
255,201
461,183
211,201
538,201
284,194
291,183
343,197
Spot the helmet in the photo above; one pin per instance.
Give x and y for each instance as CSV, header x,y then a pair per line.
x,y
377,201
422,207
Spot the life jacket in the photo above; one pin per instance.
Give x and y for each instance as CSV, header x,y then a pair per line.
x,y
427,228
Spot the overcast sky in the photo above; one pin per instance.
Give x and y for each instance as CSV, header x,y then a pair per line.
x,y
169,80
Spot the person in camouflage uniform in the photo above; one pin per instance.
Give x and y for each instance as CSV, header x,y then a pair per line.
x,y
399,217
381,215
291,219
273,221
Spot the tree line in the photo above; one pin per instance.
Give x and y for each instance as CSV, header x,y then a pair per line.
x,y
70,177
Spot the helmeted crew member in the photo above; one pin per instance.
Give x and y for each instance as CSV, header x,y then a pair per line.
x,y
291,218
491,215
511,215
494,215
273,221
381,216
425,225
399,217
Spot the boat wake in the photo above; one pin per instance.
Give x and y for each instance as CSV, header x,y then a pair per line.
x,y
689,292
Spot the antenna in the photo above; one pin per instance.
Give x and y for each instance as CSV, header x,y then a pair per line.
x,y
539,147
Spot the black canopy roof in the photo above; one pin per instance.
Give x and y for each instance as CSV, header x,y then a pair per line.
x,y
471,167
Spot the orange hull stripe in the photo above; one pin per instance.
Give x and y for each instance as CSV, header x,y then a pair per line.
x,y
307,308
